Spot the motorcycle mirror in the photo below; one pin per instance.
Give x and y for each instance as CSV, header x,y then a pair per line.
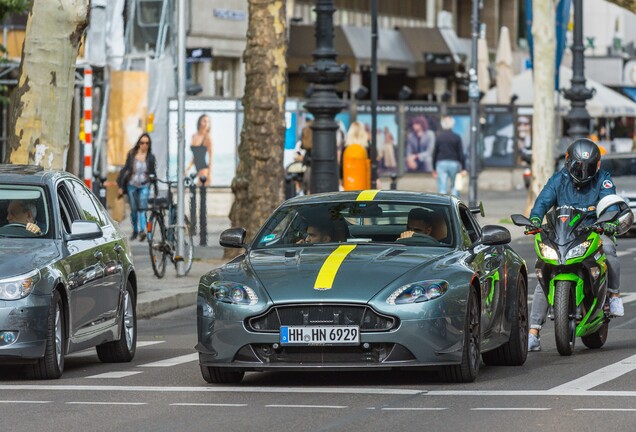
x,y
607,216
520,220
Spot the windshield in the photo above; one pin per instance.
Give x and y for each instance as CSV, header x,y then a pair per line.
x,y
564,223
23,211
357,222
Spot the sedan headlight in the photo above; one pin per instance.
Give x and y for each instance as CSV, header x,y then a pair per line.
x,y
18,287
418,292
578,250
232,292
548,252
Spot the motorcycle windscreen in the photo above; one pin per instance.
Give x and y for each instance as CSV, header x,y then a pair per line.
x,y
563,223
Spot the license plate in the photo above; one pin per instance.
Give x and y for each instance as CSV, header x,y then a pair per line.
x,y
320,335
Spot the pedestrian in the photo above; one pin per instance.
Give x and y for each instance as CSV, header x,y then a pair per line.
x,y
448,157
134,178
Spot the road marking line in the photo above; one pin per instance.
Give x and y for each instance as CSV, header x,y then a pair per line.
x,y
122,374
599,376
605,409
24,402
307,406
106,403
412,409
209,404
628,297
321,390
148,343
173,361
510,409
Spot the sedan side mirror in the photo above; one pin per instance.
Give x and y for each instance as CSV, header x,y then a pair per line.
x,y
493,235
233,237
84,230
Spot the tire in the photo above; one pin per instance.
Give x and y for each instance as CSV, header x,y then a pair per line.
x,y
188,247
468,369
597,339
564,321
123,350
216,375
156,247
51,365
515,351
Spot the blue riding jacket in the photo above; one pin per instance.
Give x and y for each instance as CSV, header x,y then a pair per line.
x,y
560,190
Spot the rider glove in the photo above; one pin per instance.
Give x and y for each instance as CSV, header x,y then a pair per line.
x,y
609,228
536,221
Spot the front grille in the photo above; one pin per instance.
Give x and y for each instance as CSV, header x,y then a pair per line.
x,y
322,314
375,354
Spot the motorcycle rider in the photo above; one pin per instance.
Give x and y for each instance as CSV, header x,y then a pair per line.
x,y
582,185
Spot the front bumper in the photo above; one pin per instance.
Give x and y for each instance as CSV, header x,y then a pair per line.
x,y
28,317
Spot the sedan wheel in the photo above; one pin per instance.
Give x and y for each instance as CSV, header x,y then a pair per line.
x,y
51,365
215,375
123,350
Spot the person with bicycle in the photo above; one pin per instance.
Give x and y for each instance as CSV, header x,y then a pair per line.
x,y
134,178
579,184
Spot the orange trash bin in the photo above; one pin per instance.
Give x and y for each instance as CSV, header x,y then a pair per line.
x,y
356,168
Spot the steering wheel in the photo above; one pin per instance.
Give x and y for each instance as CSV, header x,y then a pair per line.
x,y
418,239
14,225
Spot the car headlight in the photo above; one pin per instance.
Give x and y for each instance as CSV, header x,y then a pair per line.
x,y
18,287
578,250
548,252
232,292
418,292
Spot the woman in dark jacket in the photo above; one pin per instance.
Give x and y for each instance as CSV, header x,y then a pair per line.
x,y
134,178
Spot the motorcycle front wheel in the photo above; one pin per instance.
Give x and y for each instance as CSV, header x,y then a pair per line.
x,y
564,318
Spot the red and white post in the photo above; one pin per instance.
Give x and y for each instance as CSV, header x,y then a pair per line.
x,y
88,126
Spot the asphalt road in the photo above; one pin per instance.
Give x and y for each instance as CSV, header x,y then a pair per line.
x,y
162,389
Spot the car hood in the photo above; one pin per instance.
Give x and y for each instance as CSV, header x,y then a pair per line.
x,y
290,275
19,256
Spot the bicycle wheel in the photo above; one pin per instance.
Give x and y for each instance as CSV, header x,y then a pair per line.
x,y
157,247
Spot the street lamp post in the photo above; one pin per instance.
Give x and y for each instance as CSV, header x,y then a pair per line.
x,y
473,95
578,118
324,103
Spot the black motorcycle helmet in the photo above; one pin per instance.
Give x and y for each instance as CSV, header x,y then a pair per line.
x,y
582,160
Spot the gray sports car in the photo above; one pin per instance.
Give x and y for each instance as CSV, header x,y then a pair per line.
x,y
365,280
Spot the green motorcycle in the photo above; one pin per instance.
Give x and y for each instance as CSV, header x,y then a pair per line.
x,y
572,270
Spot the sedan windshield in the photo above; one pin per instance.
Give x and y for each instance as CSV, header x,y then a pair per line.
x,y
23,211
358,222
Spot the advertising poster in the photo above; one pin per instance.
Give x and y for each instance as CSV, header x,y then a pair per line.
x,y
387,134
461,115
421,123
498,136
524,135
210,140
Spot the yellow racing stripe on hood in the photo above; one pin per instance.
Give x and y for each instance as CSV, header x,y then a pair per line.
x,y
330,267
367,195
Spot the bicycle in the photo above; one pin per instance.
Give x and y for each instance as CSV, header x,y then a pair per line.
x,y
162,238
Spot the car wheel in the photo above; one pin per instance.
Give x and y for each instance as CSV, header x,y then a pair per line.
x,y
123,350
468,369
51,365
216,375
515,351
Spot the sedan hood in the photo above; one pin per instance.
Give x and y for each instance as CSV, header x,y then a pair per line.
x,y
289,275
19,256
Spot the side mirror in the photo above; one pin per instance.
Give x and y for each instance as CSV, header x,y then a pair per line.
x,y
520,220
84,230
233,237
493,235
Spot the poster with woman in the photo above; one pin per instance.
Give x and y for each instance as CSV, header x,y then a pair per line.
x,y
210,134
422,123
498,136
387,136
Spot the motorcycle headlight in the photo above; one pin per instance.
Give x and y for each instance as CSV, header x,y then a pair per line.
x,y
418,292
232,292
548,252
18,287
578,250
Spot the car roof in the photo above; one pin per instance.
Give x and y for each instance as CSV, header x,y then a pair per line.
x,y
32,174
373,195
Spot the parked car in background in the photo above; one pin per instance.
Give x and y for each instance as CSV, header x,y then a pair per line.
x,y
67,281
622,167
365,280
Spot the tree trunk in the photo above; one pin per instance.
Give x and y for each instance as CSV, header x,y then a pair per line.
x,y
41,116
258,184
630,5
543,122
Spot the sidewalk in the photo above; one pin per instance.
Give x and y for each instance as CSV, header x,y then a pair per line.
x,y
156,296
